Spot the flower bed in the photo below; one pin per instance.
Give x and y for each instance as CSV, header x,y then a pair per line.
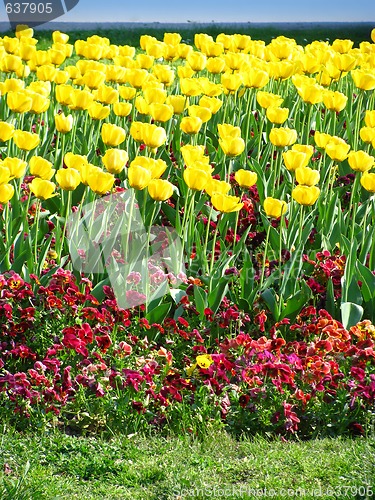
x,y
188,234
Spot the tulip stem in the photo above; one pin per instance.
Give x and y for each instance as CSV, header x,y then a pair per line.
x,y
301,220
63,236
364,228
213,248
353,206
206,236
148,252
7,237
128,227
357,119
37,212
265,255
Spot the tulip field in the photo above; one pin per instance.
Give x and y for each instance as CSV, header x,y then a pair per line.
x,y
187,235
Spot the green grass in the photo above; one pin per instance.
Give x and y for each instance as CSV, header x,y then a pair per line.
x,y
67,467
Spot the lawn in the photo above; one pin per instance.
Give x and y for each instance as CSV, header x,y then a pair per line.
x,y
57,466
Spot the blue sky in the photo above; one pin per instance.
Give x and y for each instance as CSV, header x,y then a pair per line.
x,y
223,10
218,11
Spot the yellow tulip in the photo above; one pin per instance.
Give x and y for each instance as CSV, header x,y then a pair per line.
x,y
212,103
39,103
191,125
161,112
305,195
312,94
202,164
190,87
136,131
141,105
5,176
283,136
144,61
64,124
112,135
274,208
23,30
11,63
41,168
100,182
368,181
216,186
197,61
212,49
198,111
295,159
26,140
19,102
81,99
42,189
231,81
94,78
164,74
267,99
245,178
321,139
232,146
337,150
160,190
47,72
255,78
335,101
226,203
157,168
127,93
12,85
98,112
63,94
115,160
344,62
59,37
153,136
68,178
136,77
138,177
364,79
192,153
277,115
10,44
16,167
215,65
106,94
76,161
6,131
172,38
307,176
370,118
42,88
122,108
367,134
360,161
6,192
227,130
178,102
342,46
196,179
304,148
